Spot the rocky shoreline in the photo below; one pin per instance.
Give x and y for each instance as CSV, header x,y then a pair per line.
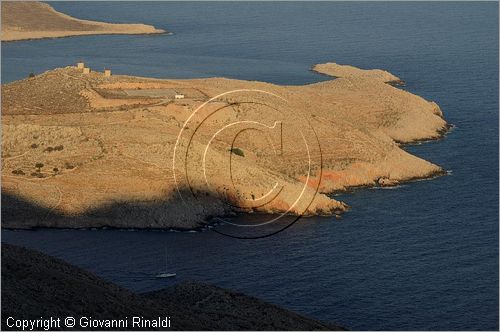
x,y
101,155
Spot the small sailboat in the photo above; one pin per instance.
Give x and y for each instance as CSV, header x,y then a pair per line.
x,y
166,274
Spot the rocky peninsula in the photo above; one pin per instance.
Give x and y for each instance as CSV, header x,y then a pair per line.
x,y
346,71
85,149
34,20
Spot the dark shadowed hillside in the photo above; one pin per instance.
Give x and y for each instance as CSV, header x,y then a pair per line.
x,y
36,285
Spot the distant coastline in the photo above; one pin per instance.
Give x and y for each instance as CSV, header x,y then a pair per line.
x,y
36,20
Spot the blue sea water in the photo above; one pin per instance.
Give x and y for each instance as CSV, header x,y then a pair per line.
x,y
422,256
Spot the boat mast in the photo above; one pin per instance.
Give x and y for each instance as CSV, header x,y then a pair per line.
x,y
166,260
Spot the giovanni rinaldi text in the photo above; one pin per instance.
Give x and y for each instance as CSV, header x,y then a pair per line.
x,y
86,322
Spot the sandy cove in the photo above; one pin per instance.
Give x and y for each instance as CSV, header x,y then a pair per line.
x,y
86,150
23,20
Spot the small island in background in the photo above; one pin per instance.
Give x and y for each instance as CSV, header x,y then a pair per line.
x,y
23,20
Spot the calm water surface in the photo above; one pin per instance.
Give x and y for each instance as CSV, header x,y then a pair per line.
x,y
422,256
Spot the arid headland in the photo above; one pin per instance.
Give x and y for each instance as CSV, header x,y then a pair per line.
x,y
91,150
34,20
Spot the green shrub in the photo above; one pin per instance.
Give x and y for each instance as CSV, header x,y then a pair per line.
x,y
31,75
34,146
55,148
237,151
39,166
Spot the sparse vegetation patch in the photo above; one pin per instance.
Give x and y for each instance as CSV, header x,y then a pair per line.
x,y
237,151
17,172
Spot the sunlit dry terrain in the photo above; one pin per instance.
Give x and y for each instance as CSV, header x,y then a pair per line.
x,y
35,20
101,149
